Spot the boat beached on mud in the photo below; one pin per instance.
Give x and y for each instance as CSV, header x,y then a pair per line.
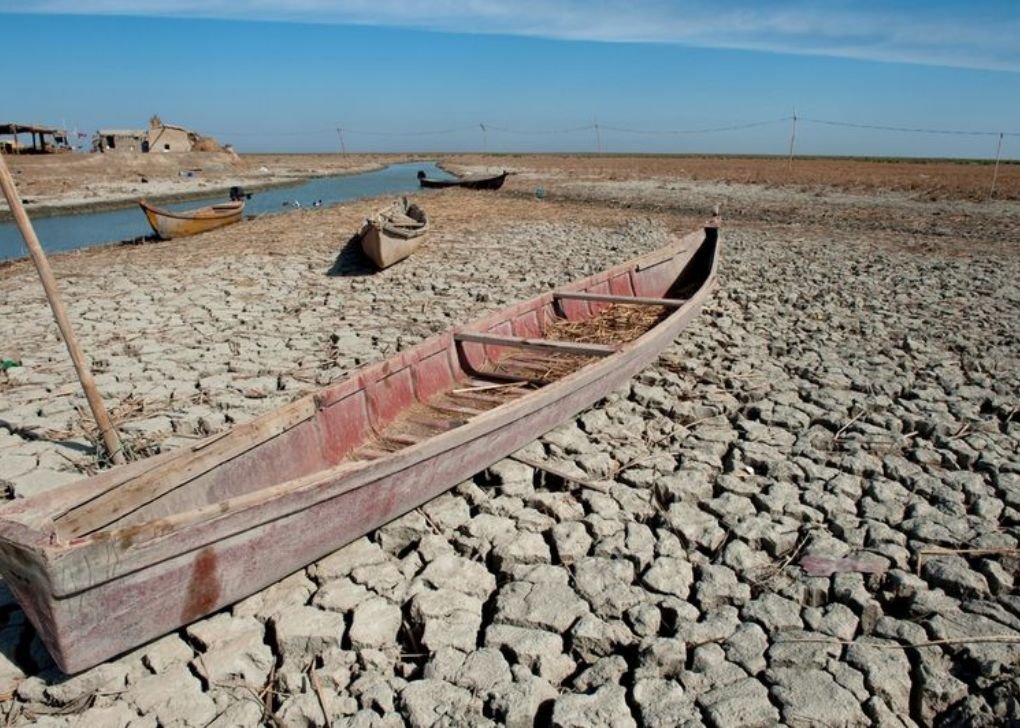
x,y
394,232
115,560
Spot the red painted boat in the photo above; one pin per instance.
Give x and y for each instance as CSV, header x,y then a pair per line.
x,y
110,562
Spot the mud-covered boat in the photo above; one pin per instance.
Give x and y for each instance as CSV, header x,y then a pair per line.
x,y
472,183
394,232
168,224
107,563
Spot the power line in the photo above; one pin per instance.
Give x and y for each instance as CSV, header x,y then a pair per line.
x,y
620,129
570,130
436,132
698,131
908,129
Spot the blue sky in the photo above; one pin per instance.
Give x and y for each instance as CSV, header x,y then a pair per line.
x,y
539,75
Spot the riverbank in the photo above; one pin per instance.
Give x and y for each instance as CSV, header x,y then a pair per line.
x,y
70,184
850,394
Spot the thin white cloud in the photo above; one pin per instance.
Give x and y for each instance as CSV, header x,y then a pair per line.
x,y
980,34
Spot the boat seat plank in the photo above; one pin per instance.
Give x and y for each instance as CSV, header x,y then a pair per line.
x,y
402,439
436,425
610,298
481,398
456,409
568,347
370,453
492,377
482,384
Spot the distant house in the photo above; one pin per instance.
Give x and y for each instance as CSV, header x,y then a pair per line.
x,y
170,138
120,140
159,137
45,139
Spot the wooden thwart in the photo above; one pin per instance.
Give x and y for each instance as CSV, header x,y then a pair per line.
x,y
609,298
567,347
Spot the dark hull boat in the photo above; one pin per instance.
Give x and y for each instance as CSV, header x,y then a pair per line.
x,y
110,562
471,183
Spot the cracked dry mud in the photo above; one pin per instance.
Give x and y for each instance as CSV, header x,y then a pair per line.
x,y
848,400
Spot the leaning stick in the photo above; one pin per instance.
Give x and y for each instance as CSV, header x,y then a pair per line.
x,y
106,429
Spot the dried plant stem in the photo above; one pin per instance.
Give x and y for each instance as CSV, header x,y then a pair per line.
x,y
908,645
319,693
552,470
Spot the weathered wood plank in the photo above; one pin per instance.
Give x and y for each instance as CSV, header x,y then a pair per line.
x,y
568,347
609,298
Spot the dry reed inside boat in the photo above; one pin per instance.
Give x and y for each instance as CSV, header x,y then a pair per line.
x,y
615,324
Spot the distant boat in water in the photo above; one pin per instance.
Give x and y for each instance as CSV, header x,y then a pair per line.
x,y
169,224
471,183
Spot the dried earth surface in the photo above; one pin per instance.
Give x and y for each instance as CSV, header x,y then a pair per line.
x,y
806,512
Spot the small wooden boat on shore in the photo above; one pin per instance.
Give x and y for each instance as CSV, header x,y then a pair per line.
x,y
471,183
107,563
394,233
169,224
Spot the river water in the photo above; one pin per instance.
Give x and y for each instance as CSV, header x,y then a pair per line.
x,y
69,232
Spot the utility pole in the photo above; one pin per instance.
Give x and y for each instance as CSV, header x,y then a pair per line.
x,y
340,135
598,136
998,156
485,140
793,138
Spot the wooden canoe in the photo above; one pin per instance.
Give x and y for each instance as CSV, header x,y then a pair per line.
x,y
169,224
394,233
105,564
471,183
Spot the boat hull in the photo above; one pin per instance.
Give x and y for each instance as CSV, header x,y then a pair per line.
x,y
479,183
94,595
386,242
168,225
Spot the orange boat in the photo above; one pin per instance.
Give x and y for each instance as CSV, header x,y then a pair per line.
x,y
169,224
107,563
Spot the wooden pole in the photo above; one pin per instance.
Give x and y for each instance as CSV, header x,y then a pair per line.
x,y
340,135
995,174
106,429
793,138
598,135
485,140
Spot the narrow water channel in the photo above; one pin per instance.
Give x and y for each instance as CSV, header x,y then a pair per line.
x,y
69,232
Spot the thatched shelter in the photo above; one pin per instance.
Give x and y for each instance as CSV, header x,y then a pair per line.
x,y
45,139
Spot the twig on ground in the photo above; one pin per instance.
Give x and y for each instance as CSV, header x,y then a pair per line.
x,y
838,437
553,470
319,692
